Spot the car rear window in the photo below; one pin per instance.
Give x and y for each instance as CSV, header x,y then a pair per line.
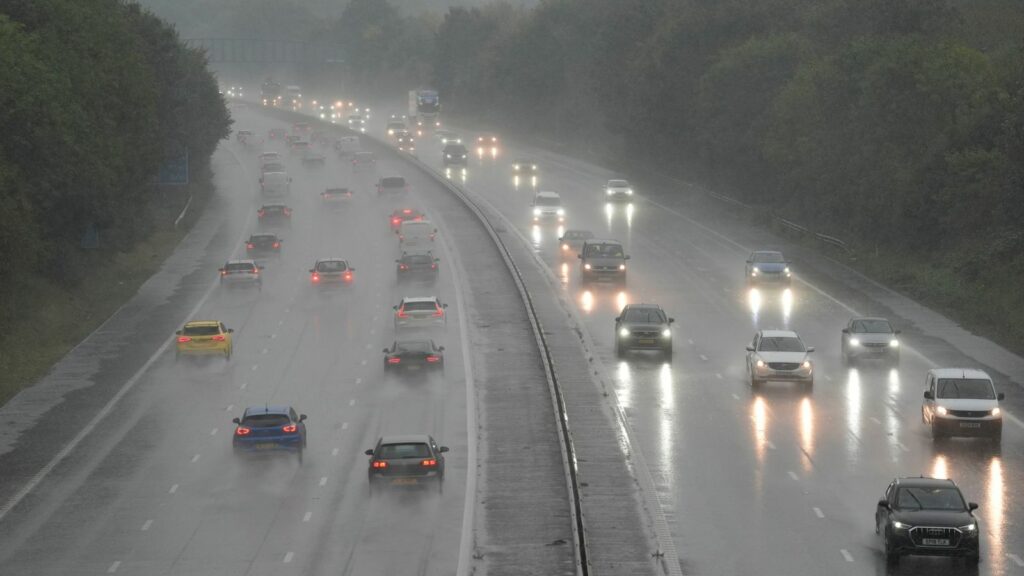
x,y
419,259
271,209
604,251
420,306
392,182
420,226
415,346
392,451
266,420
332,266
201,330
240,267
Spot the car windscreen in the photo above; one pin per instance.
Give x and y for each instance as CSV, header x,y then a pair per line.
x,y
414,346
604,251
455,149
393,182
548,201
974,388
208,330
240,267
768,257
872,327
393,451
931,498
332,266
273,209
266,420
618,184
420,306
781,344
644,315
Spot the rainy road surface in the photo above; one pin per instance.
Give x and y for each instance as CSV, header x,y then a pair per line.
x,y
154,487
769,483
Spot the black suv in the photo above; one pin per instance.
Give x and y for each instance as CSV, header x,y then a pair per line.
x,y
455,154
643,327
603,260
926,517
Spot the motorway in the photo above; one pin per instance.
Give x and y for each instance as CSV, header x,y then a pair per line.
x,y
154,488
774,482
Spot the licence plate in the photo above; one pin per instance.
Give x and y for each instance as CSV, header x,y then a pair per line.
x,y
645,341
404,481
970,424
935,542
265,446
413,367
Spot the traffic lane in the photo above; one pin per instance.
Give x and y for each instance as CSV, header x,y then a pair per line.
x,y
851,398
252,387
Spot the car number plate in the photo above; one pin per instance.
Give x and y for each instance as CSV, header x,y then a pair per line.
x,y
646,341
970,424
935,542
414,367
265,445
404,481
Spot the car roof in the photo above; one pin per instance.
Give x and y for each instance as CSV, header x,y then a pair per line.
x,y
548,194
280,410
762,252
332,260
642,305
602,241
865,318
405,439
283,174
960,373
274,206
419,299
242,261
413,223
263,235
202,323
925,482
779,334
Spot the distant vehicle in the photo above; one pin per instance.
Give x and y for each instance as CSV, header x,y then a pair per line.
x,y
548,206
416,235
268,429
643,327
618,191
406,142
269,214
448,137
574,239
356,122
420,312
424,110
870,339
417,266
487,145
311,157
270,93
768,267
524,166
331,272
299,148
408,460
347,146
263,244
269,157
271,167
363,160
244,136
927,517
275,184
962,402
293,97
602,260
414,355
391,184
404,215
277,134
236,92
336,196
301,129
318,137
455,154
779,356
204,338
394,126
241,272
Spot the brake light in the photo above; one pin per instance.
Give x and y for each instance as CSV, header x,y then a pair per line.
x,y
223,272
433,358
287,212
277,244
433,266
290,429
242,431
250,245
316,277
438,313
403,267
407,211
401,237
379,464
348,276
184,339
401,313
429,462
218,338
396,220
394,360
261,212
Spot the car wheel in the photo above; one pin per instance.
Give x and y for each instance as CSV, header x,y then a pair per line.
x,y
997,437
755,383
808,386
892,556
937,432
667,354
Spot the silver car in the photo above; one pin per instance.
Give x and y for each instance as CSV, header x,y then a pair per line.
x,y
241,272
870,338
420,312
779,355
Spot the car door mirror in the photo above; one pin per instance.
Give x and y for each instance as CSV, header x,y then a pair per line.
x,y
394,307
929,395
883,503
220,269
230,330
626,257
236,420
618,318
671,320
810,349
369,452
440,348
897,331
351,269
750,261
1001,396
260,267
386,350
580,256
972,506
442,449
311,270
302,417
846,330
750,348
178,332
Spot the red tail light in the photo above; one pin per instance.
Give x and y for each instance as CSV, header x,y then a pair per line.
x,y
401,237
396,220
218,338
401,313
250,245
379,464
433,358
438,313
287,212
348,276
429,462
262,213
403,267
184,339
407,211
394,360
290,429
277,244
242,431
223,272
316,277
433,266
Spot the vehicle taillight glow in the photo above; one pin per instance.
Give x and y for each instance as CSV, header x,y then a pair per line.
x,y
348,276
403,267
438,313
316,277
396,220
242,431
250,245
433,266
262,213
401,313
407,211
287,212
432,358
429,462
218,338
184,339
394,360
379,464
277,244
290,429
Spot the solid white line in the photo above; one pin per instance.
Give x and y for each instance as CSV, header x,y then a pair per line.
x,y
793,475
173,489
690,342
352,402
359,381
307,516
736,396
147,525
827,377
344,425
368,345
288,557
229,408
846,555
244,384
703,357
323,480
195,458
902,447
876,420
334,452
264,351
1013,419
717,375
214,432
1016,559
363,362
113,567
818,512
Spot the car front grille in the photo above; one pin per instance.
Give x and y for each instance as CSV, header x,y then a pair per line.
x,y
644,334
783,365
919,533
875,345
969,413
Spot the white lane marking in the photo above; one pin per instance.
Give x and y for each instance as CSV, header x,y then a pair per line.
x,y
173,489
735,396
288,557
1013,419
1016,559
793,475
334,452
344,425
717,375
323,480
287,310
375,317
264,351
373,331
818,512
229,408
902,447
876,420
214,431
307,516
846,555
280,322
273,336
146,525
195,458
769,444
703,357
363,362
359,381
244,384
368,346
352,402
690,342
113,567
254,367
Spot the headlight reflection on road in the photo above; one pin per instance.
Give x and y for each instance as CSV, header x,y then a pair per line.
x,y
759,416
807,432
754,302
564,273
587,301
940,468
853,411
515,181
560,231
667,425
621,299
536,236
624,389
629,215
787,306
894,380
609,212
993,507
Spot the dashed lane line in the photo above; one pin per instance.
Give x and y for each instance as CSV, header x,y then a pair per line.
x,y
793,475
173,489
736,396
147,525
1016,559
718,375
229,408
703,357
846,555
323,480
195,458
334,452
214,432
254,367
288,557
344,425
352,402
307,516
818,512
769,444
113,567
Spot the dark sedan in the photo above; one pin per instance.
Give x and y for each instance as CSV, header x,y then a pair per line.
x,y
643,327
414,355
408,460
926,517
274,214
417,266
270,429
262,244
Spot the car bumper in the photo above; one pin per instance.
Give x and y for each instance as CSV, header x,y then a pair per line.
x,y
398,480
619,197
968,427
801,375
902,542
604,274
868,352
548,217
645,343
214,351
263,445
771,278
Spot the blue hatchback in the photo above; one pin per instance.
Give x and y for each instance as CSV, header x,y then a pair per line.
x,y
270,429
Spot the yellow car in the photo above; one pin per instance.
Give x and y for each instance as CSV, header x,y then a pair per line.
x,y
203,338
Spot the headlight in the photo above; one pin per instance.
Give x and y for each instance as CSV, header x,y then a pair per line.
x,y
561,212
970,527
565,246
629,191
807,364
586,266
941,410
894,343
622,266
623,333
760,363
534,167
609,191
447,155
996,411
900,525
536,211
854,342
666,333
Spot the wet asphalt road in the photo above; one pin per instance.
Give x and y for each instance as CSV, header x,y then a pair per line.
x,y
769,483
156,490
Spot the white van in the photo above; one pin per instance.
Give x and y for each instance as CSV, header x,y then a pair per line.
x,y
275,184
416,235
347,146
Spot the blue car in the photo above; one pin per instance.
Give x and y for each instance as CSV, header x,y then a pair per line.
x,y
270,429
768,267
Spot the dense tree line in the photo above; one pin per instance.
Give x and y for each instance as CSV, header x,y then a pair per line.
x,y
93,95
